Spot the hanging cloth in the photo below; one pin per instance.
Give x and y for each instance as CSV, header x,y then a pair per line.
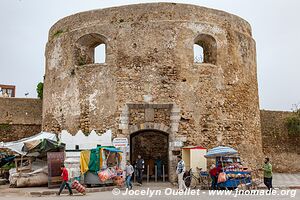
x,y
94,163
84,161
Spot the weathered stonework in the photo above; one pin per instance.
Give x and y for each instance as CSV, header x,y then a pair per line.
x,y
19,118
150,79
282,148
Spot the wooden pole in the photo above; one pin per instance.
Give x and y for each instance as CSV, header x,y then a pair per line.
x,y
134,177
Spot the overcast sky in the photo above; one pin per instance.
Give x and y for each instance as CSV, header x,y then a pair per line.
x,y
24,26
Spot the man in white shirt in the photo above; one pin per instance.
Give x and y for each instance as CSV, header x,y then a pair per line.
x,y
180,169
129,171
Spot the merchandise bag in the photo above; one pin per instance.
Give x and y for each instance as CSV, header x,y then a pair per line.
x,y
80,188
222,177
104,175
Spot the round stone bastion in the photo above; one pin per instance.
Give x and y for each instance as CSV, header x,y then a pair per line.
x,y
151,81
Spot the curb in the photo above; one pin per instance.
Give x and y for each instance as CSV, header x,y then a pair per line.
x,y
110,188
296,187
88,190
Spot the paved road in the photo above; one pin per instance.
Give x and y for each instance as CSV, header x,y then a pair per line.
x,y
279,180
162,195
285,179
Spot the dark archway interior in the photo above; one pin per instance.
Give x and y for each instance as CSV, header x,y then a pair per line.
x,y
152,145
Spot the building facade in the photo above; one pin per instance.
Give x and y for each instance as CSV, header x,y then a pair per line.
x,y
7,90
149,87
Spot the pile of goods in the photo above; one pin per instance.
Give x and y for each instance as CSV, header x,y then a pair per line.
x,y
101,165
229,175
80,188
118,180
111,173
107,174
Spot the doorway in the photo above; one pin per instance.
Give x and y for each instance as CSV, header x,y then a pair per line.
x,y
153,146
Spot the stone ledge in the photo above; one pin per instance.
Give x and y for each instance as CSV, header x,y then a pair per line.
x,y
54,192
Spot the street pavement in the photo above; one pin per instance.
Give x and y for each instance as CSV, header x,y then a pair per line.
x,y
286,180
203,196
160,191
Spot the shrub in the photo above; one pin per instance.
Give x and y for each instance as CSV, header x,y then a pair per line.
x,y
39,90
293,123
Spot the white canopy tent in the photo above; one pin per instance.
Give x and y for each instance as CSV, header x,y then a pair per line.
x,y
17,146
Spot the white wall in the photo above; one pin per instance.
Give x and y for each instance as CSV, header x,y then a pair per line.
x,y
85,142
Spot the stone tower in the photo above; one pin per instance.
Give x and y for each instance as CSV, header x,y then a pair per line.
x,y
150,88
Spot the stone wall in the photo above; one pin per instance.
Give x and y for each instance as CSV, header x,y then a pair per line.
x,y
283,149
19,118
149,55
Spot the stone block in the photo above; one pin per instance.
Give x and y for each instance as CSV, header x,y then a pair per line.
x,y
123,126
174,127
149,114
175,110
156,126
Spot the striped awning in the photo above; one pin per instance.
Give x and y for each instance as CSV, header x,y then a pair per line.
x,y
220,151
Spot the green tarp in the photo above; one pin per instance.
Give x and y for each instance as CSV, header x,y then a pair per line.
x,y
94,164
42,146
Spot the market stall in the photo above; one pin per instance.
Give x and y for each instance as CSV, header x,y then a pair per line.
x,y
101,166
30,153
227,158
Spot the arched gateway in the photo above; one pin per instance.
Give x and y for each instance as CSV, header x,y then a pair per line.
x,y
152,131
153,146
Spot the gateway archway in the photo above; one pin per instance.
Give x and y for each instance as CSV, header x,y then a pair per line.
x,y
153,146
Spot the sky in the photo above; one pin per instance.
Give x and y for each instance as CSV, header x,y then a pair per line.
x,y
24,26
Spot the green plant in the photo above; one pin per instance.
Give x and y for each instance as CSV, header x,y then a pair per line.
x,y
293,123
39,90
5,127
57,33
81,61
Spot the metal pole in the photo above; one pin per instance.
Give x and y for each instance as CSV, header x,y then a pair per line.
x,y
155,173
134,178
147,173
164,179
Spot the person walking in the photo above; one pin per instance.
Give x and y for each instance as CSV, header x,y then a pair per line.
x,y
140,166
129,171
268,173
180,169
65,179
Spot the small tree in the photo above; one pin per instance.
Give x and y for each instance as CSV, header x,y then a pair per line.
x,y
39,90
293,122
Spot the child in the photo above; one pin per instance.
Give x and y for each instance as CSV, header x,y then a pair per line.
x,y
129,171
65,179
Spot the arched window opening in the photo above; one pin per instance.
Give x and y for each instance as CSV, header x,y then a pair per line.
x,y
205,49
198,54
89,49
99,55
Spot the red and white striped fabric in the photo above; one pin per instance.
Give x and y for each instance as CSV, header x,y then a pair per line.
x,y
80,188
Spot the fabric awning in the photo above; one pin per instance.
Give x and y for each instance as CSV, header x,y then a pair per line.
x,y
220,151
112,149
